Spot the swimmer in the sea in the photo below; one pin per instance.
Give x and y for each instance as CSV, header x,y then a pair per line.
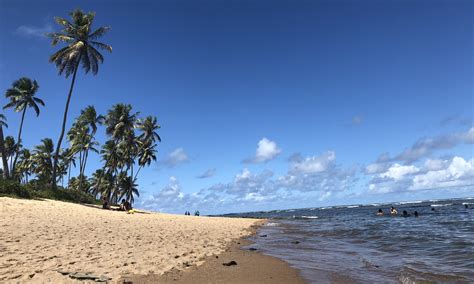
x,y
380,212
393,211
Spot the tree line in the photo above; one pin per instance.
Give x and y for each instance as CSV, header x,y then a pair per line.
x,y
131,139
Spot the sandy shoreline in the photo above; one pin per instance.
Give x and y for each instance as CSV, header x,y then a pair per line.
x,y
251,267
40,239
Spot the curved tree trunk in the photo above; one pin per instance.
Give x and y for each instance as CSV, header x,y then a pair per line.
x,y
6,174
18,141
63,128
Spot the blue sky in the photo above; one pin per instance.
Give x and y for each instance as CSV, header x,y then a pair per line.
x,y
271,104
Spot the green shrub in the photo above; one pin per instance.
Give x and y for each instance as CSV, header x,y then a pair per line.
x,y
13,188
43,191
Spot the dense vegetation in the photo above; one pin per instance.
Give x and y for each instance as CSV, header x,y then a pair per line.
x,y
45,170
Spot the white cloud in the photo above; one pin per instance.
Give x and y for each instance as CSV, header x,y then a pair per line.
x,y
397,171
178,156
266,150
458,173
313,164
426,146
32,31
433,174
207,174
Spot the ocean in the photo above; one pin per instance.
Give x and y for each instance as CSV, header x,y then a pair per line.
x,y
353,244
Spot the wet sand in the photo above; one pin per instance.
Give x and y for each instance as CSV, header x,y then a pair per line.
x,y
251,267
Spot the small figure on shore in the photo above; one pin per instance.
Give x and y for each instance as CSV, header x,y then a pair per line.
x,y
105,203
125,205
187,213
380,212
196,213
393,211
416,213
405,214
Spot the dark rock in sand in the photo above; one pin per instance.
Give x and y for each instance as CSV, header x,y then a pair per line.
x,y
263,236
230,263
253,249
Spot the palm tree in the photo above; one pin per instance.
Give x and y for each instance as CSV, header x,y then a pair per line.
x,y
81,49
90,118
42,160
10,149
3,123
128,188
146,155
149,126
24,165
22,96
120,123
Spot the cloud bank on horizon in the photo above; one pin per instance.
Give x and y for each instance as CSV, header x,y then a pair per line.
x,y
319,177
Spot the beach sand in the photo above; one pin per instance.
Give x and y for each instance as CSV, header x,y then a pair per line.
x,y
251,267
40,239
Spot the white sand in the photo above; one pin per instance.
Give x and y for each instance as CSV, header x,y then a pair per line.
x,y
37,238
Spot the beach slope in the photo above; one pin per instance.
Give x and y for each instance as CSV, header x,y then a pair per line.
x,y
48,241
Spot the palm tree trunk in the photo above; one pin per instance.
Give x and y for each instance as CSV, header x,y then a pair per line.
x,y
6,174
139,168
63,128
18,141
69,175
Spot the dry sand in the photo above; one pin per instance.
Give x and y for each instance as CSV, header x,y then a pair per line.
x,y
38,238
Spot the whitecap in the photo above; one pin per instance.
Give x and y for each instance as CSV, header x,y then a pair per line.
x,y
410,202
440,205
309,217
352,206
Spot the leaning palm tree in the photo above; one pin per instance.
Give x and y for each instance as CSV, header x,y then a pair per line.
x,y
3,123
22,96
82,50
146,156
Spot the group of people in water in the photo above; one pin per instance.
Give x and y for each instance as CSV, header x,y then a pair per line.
x,y
196,213
394,212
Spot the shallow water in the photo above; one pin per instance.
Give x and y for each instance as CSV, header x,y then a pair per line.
x,y
353,242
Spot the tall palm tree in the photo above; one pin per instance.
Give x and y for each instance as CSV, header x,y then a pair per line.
x,y
3,123
22,96
81,49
